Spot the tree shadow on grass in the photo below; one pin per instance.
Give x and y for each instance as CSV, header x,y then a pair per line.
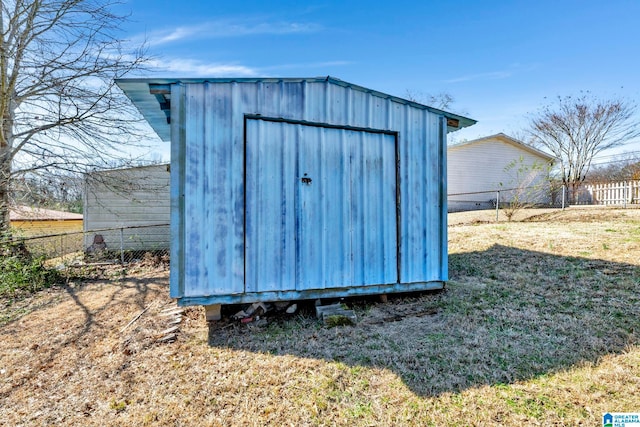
x,y
76,317
506,315
12,309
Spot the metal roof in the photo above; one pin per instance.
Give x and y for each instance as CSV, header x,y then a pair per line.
x,y
152,97
27,213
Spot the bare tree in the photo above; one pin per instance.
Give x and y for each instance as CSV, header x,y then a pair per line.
x,y
575,129
55,191
623,167
59,106
442,100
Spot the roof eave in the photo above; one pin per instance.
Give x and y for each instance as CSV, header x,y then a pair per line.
x,y
506,138
138,90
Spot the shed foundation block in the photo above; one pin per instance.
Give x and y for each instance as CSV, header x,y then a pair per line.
x,y
213,312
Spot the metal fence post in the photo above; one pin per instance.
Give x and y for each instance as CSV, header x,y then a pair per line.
x,y
497,204
564,192
122,245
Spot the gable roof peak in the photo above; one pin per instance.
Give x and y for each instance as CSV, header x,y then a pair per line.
x,y
508,140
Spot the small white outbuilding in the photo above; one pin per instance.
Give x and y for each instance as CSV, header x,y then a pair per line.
x,y
128,207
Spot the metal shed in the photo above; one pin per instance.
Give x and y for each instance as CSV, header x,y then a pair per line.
x,y
296,188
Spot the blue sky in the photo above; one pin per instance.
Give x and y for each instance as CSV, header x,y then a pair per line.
x,y
500,60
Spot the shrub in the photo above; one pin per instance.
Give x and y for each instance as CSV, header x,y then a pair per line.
x,y
21,275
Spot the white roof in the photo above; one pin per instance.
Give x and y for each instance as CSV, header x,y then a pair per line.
x,y
26,213
508,140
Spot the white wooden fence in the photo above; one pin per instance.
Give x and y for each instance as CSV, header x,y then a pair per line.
x,y
615,193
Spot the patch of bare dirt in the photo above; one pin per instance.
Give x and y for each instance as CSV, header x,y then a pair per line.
x,y
66,361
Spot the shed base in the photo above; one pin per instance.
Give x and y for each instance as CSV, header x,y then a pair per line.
x,y
310,294
213,312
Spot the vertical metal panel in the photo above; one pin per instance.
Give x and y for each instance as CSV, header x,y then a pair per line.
x,y
270,217
320,206
444,250
344,216
195,180
213,184
421,204
177,269
438,181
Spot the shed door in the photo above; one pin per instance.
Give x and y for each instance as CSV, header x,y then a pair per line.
x,y
320,207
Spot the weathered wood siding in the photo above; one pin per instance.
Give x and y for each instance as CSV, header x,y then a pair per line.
x,y
129,198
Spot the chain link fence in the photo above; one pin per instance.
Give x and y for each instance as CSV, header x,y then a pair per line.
x,y
538,196
149,244
120,245
623,194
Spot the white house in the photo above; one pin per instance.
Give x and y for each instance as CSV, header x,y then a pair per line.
x,y
477,169
128,207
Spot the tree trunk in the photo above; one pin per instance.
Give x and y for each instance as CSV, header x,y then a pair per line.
x,y
5,173
6,140
575,187
6,158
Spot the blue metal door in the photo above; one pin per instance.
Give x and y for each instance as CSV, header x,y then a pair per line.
x,y
320,207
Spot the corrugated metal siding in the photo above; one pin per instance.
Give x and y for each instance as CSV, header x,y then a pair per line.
x,y
481,167
213,190
271,172
320,206
177,268
210,151
128,198
424,231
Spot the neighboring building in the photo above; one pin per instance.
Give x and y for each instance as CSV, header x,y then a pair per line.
x,y
128,207
38,221
477,169
299,188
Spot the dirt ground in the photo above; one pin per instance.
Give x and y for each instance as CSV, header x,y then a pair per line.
x,y
64,361
92,353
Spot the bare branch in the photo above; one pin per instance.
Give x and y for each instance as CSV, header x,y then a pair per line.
x,y
576,129
59,107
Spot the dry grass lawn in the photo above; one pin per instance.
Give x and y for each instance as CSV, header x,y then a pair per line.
x,y
539,325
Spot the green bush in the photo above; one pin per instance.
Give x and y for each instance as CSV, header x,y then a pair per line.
x,y
24,275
